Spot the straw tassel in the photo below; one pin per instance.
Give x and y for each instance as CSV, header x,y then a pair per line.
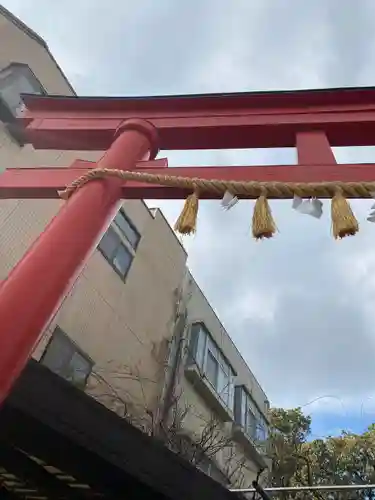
x,y
263,223
344,222
187,221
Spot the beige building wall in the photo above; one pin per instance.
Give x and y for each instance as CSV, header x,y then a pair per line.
x,y
124,326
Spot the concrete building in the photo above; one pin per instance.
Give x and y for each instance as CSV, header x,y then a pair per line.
x,y
136,331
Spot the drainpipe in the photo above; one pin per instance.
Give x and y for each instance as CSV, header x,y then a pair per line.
x,y
180,329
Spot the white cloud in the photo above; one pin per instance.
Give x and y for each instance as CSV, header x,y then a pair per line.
x,y
253,305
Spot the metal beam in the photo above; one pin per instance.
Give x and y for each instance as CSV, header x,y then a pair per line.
x,y
29,183
329,487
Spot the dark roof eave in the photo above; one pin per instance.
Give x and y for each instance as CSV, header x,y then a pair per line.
x,y
45,397
257,99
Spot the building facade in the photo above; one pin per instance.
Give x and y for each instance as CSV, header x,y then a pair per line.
x,y
135,332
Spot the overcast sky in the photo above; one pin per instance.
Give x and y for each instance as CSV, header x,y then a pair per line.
x,y
299,307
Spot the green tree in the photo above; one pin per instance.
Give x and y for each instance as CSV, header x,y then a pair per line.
x,y
297,461
289,431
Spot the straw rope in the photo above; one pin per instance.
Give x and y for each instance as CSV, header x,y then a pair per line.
x,y
344,222
251,189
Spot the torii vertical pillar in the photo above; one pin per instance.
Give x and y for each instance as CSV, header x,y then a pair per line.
x,y
36,286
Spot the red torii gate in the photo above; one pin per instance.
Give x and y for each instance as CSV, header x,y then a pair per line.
x,y
131,131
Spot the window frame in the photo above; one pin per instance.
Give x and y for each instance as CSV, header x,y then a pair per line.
x,y
243,397
209,467
206,464
124,242
109,259
15,70
7,116
210,347
132,226
75,349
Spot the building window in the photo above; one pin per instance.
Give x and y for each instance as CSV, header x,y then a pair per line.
x,y
212,364
127,228
193,452
248,416
119,243
117,254
15,80
63,357
208,466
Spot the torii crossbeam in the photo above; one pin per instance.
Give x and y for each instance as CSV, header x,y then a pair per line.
x,y
132,131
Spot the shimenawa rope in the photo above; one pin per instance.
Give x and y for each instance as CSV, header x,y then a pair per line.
x,y
344,222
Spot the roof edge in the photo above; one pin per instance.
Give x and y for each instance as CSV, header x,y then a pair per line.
x,y
37,38
331,97
22,26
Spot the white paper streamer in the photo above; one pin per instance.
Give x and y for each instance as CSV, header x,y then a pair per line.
x,y
228,200
313,207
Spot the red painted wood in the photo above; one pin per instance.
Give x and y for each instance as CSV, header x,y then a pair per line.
x,y
45,182
209,132
149,165
247,120
191,112
37,284
269,100
35,287
314,148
